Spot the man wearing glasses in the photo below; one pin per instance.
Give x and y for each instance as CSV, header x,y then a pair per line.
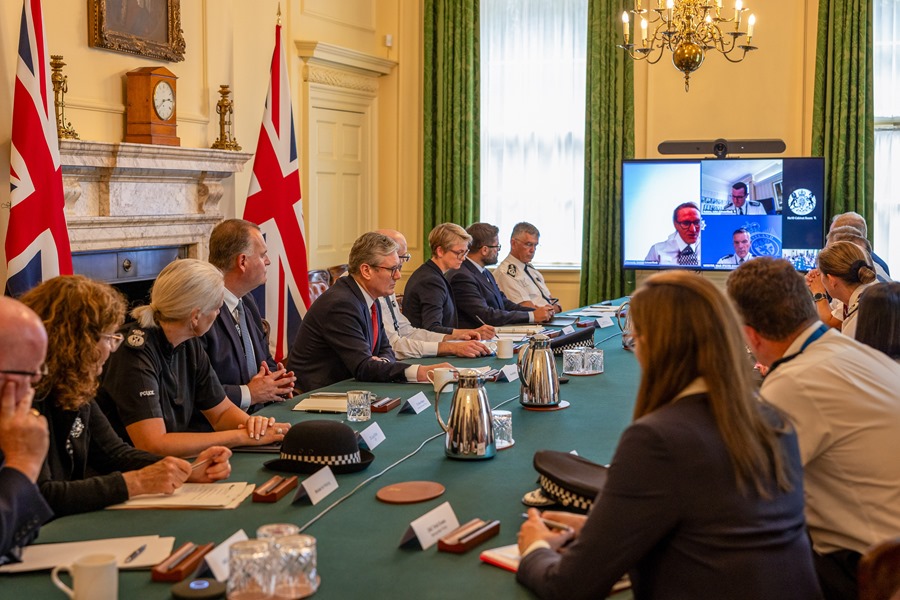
x,y
342,336
478,298
740,204
236,344
24,437
517,277
682,248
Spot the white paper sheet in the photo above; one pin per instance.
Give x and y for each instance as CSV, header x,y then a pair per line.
x,y
46,556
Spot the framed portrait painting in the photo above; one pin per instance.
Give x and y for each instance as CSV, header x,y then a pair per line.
x,y
150,28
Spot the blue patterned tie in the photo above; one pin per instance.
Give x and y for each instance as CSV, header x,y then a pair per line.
x,y
249,354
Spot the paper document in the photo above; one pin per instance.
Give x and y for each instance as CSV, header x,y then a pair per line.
x,y
193,495
334,403
524,329
46,556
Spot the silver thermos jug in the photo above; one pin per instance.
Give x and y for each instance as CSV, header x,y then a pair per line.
x,y
469,428
537,372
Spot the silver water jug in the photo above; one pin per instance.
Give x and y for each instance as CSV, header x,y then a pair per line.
x,y
469,427
537,372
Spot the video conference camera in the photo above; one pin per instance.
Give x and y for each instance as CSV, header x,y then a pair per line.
x,y
722,148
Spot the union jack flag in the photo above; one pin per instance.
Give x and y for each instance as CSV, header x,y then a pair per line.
x,y
273,203
37,241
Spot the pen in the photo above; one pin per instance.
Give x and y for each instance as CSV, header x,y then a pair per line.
x,y
325,412
135,554
480,320
176,557
199,463
553,524
270,485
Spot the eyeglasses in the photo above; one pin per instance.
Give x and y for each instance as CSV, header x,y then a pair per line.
x,y
686,224
404,257
498,246
459,253
395,270
529,245
34,375
113,339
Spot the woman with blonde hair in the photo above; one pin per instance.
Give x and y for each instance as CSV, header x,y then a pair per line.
x,y
88,467
844,271
160,387
704,496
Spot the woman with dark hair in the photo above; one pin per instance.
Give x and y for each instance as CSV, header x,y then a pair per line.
x,y
844,271
704,496
88,466
878,324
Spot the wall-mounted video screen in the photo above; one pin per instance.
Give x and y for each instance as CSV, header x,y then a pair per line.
x,y
715,214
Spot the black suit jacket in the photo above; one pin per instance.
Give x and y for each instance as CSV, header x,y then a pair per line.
x,y
22,511
477,298
428,301
226,354
672,515
335,341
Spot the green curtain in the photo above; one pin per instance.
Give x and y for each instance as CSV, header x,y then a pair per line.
x,y
451,107
609,138
844,107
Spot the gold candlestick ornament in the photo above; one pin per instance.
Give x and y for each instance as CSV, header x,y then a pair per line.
x,y
64,129
225,110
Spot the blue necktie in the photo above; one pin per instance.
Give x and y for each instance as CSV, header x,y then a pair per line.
x,y
244,332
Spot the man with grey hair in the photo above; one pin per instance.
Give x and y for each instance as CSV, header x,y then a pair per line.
x,y
856,220
24,437
517,277
342,336
236,344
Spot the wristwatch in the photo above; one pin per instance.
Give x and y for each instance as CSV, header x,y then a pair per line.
x,y
819,297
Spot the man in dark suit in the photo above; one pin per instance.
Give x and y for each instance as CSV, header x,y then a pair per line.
x,y
341,335
24,437
478,299
236,344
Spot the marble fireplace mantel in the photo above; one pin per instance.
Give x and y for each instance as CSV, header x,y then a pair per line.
x,y
122,195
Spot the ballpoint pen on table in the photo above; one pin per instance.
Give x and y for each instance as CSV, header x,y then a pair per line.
x,y
199,463
553,524
135,554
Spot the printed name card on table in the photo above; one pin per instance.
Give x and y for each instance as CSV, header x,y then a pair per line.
x,y
416,404
316,486
217,558
568,329
430,527
604,321
372,436
508,373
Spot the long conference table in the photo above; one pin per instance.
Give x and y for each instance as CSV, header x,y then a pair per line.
x,y
358,540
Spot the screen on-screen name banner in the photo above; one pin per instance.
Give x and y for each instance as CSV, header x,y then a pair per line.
x,y
717,214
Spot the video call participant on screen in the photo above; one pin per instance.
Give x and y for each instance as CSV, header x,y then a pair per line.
x,y
24,438
740,205
683,246
741,240
842,398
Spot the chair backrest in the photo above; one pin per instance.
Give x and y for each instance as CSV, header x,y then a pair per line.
x,y
336,271
879,571
319,280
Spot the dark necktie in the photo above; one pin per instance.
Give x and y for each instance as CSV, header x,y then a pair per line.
x,y
246,343
540,289
687,257
494,287
374,326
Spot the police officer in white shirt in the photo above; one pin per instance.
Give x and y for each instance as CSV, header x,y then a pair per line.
x,y
517,277
740,205
741,240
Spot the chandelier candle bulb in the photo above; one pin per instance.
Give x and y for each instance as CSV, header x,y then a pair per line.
x,y
670,4
750,23
738,7
644,31
625,26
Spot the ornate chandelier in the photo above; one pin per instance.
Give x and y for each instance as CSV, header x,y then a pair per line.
x,y
687,28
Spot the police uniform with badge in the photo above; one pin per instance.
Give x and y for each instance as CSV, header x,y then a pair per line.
x,y
148,378
521,282
732,261
750,207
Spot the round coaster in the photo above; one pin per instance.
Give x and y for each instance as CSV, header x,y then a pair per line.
x,y
503,445
562,404
409,492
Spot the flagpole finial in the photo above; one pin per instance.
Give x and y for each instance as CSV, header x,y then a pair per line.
x,y
279,13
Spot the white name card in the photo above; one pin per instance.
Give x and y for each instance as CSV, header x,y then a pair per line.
x,y
317,486
416,404
568,329
509,373
217,558
430,527
604,321
372,435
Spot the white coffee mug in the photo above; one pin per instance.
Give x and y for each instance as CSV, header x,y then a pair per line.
x,y
94,577
438,377
504,348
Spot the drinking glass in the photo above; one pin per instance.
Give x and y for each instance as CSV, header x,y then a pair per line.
x,y
295,567
359,405
250,571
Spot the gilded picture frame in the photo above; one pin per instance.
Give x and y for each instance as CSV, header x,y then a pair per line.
x,y
150,28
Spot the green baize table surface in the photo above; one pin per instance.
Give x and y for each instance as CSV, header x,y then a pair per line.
x,y
358,540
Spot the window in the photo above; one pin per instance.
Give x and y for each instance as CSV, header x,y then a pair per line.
x,y
532,121
886,232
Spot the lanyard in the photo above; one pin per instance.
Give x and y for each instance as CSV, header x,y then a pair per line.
x,y
812,338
